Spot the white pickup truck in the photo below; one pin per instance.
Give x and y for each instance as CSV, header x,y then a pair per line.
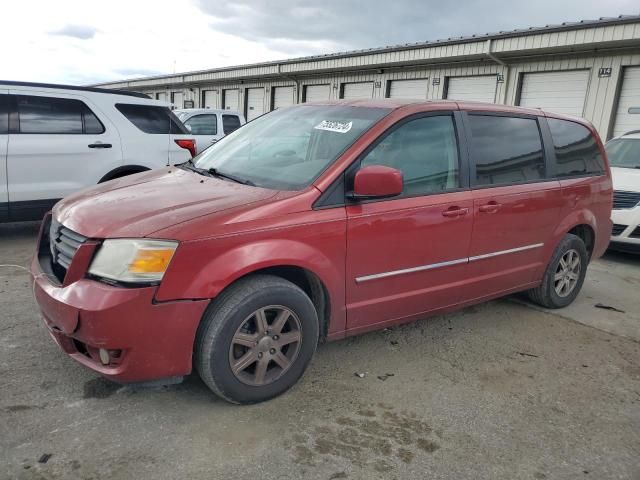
x,y
208,125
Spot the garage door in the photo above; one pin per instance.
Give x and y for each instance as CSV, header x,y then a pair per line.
x,y
282,97
560,92
177,99
231,100
351,91
481,88
408,88
210,99
316,93
255,103
629,97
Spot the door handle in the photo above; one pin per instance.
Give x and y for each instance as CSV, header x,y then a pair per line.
x,y
99,145
491,207
455,212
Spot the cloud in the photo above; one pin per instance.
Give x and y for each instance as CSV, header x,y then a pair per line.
x,y
149,40
377,23
82,32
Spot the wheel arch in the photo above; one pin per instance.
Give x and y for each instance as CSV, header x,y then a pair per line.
x,y
122,171
297,262
587,234
308,282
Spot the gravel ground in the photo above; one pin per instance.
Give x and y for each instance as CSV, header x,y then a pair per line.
x,y
502,390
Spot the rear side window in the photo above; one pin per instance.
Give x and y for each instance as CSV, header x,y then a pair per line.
x,y
54,115
577,151
205,124
230,123
4,114
151,119
506,150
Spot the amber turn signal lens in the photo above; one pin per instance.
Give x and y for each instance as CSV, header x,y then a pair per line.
x,y
151,261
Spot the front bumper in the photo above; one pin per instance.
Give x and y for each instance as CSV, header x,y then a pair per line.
x,y
626,234
145,340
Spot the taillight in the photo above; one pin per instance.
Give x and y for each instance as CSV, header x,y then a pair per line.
x,y
189,144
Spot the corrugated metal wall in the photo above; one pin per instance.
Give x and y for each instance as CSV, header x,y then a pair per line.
x,y
613,46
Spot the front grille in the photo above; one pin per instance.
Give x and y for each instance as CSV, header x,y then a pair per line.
x,y
635,233
64,244
617,229
622,199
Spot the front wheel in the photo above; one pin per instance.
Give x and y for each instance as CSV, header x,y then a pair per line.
x,y
564,275
256,339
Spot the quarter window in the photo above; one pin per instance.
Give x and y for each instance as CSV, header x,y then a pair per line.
x,y
203,124
230,123
506,150
577,151
56,116
425,151
151,119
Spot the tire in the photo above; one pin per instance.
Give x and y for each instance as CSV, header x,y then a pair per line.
x,y
235,316
547,294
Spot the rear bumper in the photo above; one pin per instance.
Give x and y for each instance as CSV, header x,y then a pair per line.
x,y
145,340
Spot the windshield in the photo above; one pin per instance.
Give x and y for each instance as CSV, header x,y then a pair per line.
x,y
289,147
624,152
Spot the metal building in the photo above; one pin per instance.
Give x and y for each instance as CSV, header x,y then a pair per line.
x,y
587,68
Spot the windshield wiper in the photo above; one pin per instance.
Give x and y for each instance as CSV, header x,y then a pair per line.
x,y
233,178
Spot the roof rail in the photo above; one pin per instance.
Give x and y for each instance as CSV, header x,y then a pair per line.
x,y
73,87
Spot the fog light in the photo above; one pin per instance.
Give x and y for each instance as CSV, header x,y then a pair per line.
x,y
104,356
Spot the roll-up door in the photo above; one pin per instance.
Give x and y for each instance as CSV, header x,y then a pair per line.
x,y
353,91
255,103
317,93
210,99
408,88
629,97
480,88
559,92
177,99
283,97
231,99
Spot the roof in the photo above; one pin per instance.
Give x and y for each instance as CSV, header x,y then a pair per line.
x,y
204,110
635,134
603,21
110,91
467,105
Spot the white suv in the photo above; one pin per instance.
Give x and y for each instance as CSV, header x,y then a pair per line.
x,y
624,158
56,139
208,125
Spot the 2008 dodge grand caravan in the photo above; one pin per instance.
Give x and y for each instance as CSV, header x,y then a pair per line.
x,y
316,222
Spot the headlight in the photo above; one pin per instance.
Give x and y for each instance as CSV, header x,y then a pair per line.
x,y
132,260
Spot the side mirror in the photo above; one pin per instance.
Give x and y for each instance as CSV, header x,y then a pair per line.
x,y
377,181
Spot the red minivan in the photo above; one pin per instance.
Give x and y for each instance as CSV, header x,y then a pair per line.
x,y
315,222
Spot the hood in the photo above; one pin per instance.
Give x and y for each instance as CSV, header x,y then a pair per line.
x,y
138,205
627,179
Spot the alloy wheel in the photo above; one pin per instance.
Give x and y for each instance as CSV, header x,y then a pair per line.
x,y
567,273
265,345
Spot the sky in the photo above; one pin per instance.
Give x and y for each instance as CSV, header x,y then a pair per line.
x,y
87,41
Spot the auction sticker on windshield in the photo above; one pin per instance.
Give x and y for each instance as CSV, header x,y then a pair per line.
x,y
329,126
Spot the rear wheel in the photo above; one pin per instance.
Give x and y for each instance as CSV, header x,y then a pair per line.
x,y
256,339
564,275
